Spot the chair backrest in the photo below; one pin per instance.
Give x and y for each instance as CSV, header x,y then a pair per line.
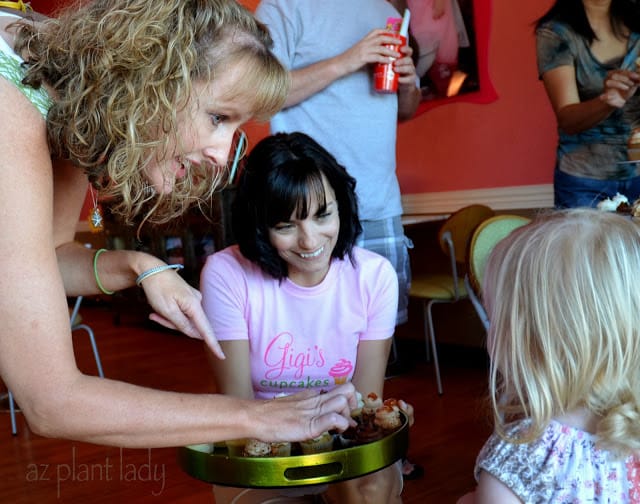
x,y
484,239
460,225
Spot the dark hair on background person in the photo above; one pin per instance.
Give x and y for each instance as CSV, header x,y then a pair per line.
x,y
571,12
275,183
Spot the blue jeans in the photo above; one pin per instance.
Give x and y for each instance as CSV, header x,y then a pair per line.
x,y
570,191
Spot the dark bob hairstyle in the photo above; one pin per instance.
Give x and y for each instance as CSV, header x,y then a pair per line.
x,y
283,172
572,12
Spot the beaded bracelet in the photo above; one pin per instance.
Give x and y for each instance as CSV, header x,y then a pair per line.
x,y
95,272
157,269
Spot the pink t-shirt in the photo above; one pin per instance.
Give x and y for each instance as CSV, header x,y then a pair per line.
x,y
300,337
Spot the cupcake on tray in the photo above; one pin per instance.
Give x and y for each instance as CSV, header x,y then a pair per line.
x,y
347,438
355,413
235,447
388,416
257,448
282,449
320,444
370,404
619,203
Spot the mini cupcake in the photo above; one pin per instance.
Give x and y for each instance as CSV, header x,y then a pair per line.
x,y
347,438
371,403
388,417
323,443
368,432
235,447
282,449
355,413
257,448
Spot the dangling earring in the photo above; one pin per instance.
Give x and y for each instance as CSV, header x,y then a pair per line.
x,y
96,223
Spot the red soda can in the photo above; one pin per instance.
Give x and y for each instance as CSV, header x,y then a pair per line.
x,y
385,79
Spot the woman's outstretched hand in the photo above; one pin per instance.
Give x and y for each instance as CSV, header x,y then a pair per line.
x,y
307,414
178,306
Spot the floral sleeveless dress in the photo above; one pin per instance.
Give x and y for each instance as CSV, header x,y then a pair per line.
x,y
562,466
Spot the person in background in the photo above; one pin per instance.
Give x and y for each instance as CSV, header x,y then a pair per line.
x,y
329,48
564,379
587,59
439,30
142,98
295,300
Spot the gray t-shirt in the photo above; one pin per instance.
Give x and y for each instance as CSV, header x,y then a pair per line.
x,y
350,120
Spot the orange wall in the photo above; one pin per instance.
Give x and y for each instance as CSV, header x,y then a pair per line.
x,y
508,142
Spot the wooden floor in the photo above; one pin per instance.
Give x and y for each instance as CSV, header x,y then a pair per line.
x,y
445,439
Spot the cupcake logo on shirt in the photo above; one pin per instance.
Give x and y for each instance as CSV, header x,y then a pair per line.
x,y
289,365
340,371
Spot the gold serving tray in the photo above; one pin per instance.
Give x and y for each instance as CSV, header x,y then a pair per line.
x,y
297,470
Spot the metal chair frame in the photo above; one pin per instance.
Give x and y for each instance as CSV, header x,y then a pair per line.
x,y
498,228
453,238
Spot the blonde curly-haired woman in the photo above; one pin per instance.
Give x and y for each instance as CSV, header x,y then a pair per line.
x,y
141,98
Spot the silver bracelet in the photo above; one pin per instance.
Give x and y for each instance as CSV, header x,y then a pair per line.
x,y
157,269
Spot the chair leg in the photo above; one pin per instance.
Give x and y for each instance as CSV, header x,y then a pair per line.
x,y
12,411
76,309
432,336
92,338
425,323
475,301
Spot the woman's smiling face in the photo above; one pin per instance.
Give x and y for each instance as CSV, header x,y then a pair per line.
x,y
306,244
206,129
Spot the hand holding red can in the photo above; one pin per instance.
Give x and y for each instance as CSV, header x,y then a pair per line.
x,y
385,79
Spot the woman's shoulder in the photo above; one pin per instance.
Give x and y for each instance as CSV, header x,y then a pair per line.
x,y
367,261
558,29
12,70
229,258
368,257
230,263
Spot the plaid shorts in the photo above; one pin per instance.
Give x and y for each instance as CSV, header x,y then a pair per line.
x,y
386,237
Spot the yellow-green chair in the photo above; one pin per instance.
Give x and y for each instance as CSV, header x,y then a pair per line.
x,y
453,238
484,239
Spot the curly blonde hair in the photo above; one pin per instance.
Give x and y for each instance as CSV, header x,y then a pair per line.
x,y
122,70
562,296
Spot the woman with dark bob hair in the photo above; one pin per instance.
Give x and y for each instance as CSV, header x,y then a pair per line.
x,y
141,99
267,197
295,304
